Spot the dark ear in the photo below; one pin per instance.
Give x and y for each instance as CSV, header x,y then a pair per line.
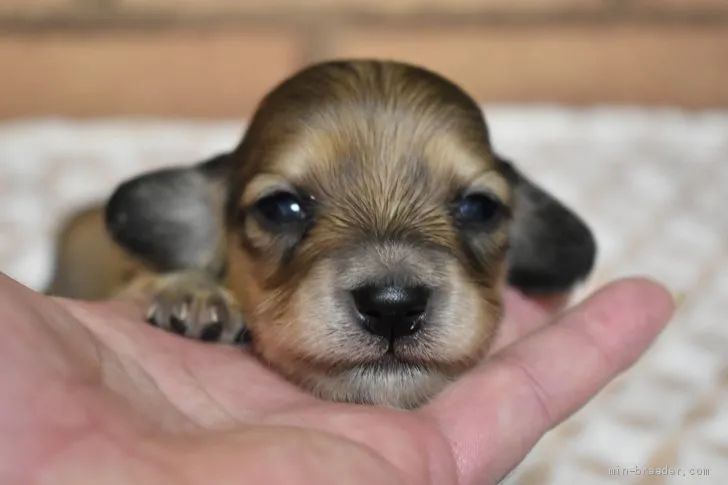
x,y
552,249
173,219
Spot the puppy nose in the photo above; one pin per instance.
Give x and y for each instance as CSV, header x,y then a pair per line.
x,y
391,311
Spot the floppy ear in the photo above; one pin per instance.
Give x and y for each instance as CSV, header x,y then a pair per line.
x,y
173,219
552,249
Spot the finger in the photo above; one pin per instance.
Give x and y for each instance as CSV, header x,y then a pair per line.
x,y
42,325
524,315
495,415
181,368
551,303
128,309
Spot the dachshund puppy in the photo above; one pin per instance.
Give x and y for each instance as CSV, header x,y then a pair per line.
x,y
360,236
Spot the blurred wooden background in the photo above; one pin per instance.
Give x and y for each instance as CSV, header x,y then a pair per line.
x,y
215,58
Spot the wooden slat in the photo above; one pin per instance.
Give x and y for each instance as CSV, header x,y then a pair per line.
x,y
651,65
163,73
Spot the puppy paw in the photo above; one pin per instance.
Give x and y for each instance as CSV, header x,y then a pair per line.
x,y
196,306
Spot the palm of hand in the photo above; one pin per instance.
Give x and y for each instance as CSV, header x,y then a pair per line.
x,y
89,391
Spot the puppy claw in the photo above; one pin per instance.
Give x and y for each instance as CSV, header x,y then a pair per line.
x,y
177,325
182,310
679,298
195,306
212,332
243,337
214,315
152,318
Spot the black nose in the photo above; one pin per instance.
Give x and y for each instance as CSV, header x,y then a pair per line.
x,y
391,311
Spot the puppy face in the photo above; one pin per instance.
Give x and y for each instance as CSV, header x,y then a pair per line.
x,y
368,231
366,228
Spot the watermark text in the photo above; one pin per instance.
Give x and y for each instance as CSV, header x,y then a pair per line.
x,y
669,471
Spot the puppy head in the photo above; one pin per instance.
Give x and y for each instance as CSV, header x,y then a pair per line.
x,y
369,230
369,225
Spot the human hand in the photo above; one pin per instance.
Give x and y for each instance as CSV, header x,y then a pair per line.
x,y
90,391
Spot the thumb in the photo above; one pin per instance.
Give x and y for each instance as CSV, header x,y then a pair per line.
x,y
494,416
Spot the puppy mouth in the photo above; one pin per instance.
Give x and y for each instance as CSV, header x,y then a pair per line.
x,y
394,331
391,361
396,342
392,318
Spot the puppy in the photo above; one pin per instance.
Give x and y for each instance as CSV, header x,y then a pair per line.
x,y
360,236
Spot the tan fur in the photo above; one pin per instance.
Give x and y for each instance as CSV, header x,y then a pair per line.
x,y
88,264
383,148
384,154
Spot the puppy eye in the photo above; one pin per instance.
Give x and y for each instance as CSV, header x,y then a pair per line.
x,y
477,209
281,208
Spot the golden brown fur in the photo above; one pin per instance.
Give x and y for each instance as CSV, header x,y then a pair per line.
x,y
384,155
89,264
380,151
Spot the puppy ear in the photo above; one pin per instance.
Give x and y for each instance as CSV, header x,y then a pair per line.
x,y
173,219
552,249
